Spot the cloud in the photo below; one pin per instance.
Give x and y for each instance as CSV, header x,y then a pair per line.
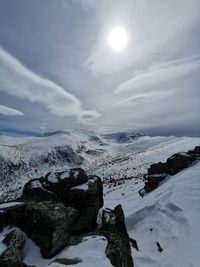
x,y
140,98
153,26
161,73
17,80
8,111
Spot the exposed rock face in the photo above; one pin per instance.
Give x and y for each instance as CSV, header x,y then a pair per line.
x,y
14,254
50,224
118,249
56,207
12,263
15,242
176,163
57,211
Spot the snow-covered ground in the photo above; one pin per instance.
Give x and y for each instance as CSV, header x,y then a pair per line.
x,y
168,216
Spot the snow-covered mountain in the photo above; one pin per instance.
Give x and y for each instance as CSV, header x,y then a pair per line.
x,y
165,222
111,156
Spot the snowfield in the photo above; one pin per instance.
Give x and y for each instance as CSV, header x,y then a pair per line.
x,y
165,222
169,215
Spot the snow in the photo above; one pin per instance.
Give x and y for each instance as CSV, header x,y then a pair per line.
x,y
91,252
82,187
169,215
10,204
52,177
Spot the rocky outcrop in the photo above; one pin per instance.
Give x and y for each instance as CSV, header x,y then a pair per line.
x,y
15,242
14,254
114,229
58,210
176,163
55,207
50,225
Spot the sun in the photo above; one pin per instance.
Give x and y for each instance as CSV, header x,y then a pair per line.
x,y
118,39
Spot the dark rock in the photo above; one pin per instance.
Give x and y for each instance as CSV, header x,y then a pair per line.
x,y
13,263
178,162
134,243
11,215
88,202
159,247
34,190
153,181
15,241
157,168
118,249
158,171
195,152
48,224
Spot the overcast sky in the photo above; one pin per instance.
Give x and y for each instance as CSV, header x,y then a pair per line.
x,y
57,70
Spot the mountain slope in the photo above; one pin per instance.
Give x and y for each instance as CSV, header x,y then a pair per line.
x,y
169,215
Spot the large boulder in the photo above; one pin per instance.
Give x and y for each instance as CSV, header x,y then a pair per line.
x,y
73,188
157,168
118,249
159,171
178,162
48,224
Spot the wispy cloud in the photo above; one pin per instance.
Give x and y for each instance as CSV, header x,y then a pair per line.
x,y
8,111
158,74
17,80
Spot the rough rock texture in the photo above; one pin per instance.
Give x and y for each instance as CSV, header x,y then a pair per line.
x,y
13,263
55,208
49,225
118,249
14,254
15,241
176,163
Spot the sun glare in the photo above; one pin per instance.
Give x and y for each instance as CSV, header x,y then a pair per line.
x,y
118,38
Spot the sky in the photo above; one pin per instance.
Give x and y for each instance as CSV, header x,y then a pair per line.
x,y
57,70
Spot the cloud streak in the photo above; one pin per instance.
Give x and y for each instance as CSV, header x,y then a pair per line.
x,y
8,111
158,74
18,81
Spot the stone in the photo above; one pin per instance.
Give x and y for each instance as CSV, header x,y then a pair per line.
x,y
178,162
48,224
15,241
118,249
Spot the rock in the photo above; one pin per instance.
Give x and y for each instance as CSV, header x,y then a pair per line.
x,y
157,168
34,190
118,249
153,181
57,207
48,224
158,171
178,162
13,263
11,215
159,247
195,152
134,243
88,203
15,241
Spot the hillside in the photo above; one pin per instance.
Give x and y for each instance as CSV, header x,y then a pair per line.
x,y
164,222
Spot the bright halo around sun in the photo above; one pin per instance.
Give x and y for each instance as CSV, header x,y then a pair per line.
x,y
118,39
